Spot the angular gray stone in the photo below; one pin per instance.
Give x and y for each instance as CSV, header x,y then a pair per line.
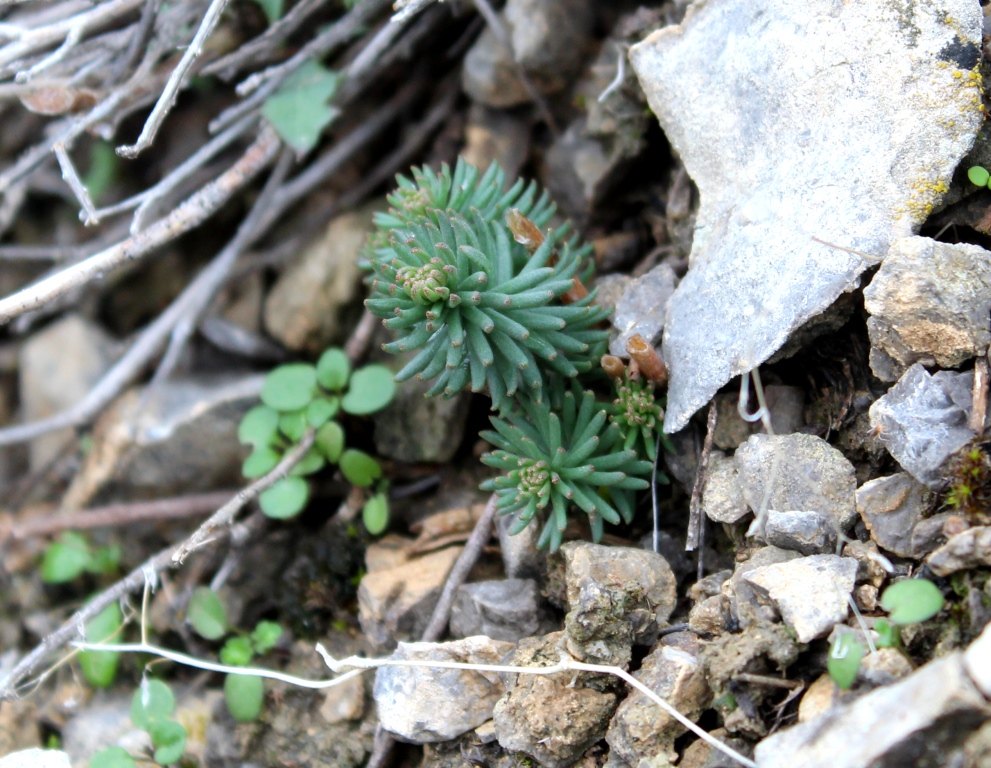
x,y
509,610
552,719
922,420
744,604
305,308
618,597
642,307
811,593
804,472
892,508
57,368
36,758
875,159
424,704
965,550
916,721
929,304
802,531
977,661
722,496
520,557
548,39
183,439
639,731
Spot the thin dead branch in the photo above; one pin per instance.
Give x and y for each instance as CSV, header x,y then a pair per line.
x,y
979,397
189,214
695,538
71,177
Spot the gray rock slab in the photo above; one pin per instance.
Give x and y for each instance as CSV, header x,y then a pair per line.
x,y
913,722
520,557
929,304
618,597
798,471
641,308
800,530
744,604
508,610
922,420
639,731
182,439
428,704
722,496
842,122
36,758
965,550
415,428
811,593
977,661
892,508
552,719
57,367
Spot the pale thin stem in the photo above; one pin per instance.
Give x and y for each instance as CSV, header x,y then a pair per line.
x,y
175,82
696,523
189,214
88,213
357,664
979,397
71,41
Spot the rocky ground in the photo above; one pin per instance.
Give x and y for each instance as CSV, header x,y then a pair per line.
x,y
777,198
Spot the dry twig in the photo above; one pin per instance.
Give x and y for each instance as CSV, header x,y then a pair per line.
x,y
696,523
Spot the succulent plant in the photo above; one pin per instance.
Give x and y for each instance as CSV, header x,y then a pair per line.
x,y
556,461
481,309
637,414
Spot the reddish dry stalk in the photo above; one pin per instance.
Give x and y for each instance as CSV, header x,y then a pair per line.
x,y
979,408
650,362
613,366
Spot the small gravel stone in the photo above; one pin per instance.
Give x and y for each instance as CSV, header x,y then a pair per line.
x,y
922,420
891,508
425,704
722,496
618,597
802,531
969,549
509,609
804,471
810,592
642,307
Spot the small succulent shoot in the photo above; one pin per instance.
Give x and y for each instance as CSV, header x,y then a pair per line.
x,y
638,415
555,461
298,396
456,289
978,175
648,361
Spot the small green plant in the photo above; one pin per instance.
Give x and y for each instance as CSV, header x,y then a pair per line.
x,y
100,667
244,693
72,555
574,458
978,176
300,110
907,602
151,711
969,480
298,396
638,415
482,309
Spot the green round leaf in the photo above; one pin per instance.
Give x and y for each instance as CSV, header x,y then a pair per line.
x,y
322,410
290,387
330,440
100,667
265,635
359,468
888,634
375,514
104,560
333,369
978,175
911,600
286,498
112,757
206,614
844,659
153,701
258,426
245,695
260,463
169,739
237,652
312,461
372,388
65,559
293,425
